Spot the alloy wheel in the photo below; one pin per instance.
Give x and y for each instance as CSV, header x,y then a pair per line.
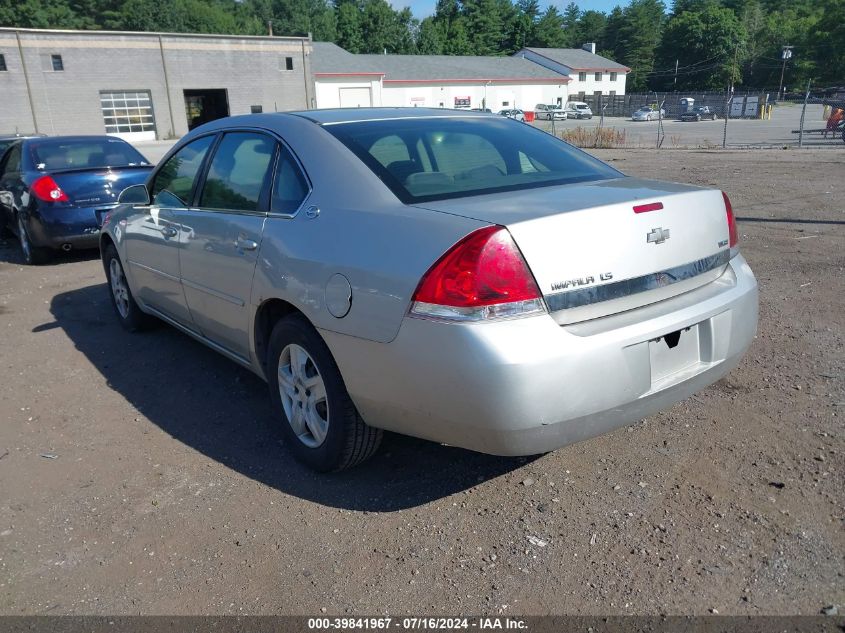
x,y
119,288
24,240
303,394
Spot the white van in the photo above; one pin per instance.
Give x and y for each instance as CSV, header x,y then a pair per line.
x,y
578,110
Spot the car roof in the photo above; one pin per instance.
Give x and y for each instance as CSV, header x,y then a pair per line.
x,y
349,115
78,137
6,137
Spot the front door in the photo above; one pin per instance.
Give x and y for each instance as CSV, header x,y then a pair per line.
x,y
219,253
152,234
11,185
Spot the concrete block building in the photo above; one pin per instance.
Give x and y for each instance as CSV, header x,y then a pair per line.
x,y
144,86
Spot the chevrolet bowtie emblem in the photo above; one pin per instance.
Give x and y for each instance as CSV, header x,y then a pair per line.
x,y
658,235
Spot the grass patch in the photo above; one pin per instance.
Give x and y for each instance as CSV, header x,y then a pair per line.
x,y
595,138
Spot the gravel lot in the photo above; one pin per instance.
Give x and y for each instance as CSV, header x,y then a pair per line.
x,y
143,474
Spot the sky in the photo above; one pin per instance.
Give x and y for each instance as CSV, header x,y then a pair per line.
x,y
423,8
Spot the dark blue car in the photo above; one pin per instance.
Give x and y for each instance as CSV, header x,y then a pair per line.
x,y
55,191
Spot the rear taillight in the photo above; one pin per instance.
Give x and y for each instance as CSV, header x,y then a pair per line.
x,y
46,189
733,236
481,277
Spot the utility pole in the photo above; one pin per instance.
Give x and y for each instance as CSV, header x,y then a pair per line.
x,y
803,111
785,55
675,83
270,27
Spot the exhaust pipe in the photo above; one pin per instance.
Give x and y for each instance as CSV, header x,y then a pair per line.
x,y
66,247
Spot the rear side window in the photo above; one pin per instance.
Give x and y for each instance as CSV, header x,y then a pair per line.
x,y
11,162
289,185
437,158
237,172
174,182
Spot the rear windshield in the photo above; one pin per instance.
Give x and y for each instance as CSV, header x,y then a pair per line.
x,y
58,154
439,158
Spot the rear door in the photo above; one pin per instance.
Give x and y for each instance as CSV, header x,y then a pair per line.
x,y
153,234
222,235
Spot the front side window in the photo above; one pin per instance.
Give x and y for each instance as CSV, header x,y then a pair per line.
x,y
582,76
237,172
57,63
612,76
175,181
455,157
288,63
598,76
3,63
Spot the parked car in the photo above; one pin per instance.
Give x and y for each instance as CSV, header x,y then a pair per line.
x,y
648,114
513,113
578,110
55,191
549,112
698,113
7,139
448,276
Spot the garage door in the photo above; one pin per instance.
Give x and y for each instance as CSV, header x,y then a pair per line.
x,y
355,98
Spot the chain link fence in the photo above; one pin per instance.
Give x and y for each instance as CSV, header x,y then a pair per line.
x,y
709,120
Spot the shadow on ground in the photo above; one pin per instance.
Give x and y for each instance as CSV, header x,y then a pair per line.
x,y
223,411
10,253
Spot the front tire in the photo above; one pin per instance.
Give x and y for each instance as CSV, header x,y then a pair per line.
x,y
128,313
320,423
32,255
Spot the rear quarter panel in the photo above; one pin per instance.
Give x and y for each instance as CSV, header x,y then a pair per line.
x,y
362,232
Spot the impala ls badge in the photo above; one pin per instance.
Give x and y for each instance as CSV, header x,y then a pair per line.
x,y
658,235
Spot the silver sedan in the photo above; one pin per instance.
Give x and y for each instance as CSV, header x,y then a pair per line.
x,y
448,275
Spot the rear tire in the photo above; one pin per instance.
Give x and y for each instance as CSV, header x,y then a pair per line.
x,y
320,423
32,255
128,313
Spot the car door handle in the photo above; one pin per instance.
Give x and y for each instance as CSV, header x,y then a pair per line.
x,y
168,231
244,244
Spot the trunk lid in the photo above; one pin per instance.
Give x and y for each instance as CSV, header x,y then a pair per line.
x,y
97,187
593,255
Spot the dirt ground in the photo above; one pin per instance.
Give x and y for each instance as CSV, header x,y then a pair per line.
x,y
143,473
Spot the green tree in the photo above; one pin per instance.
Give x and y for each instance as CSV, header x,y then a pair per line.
x,y
524,23
549,30
638,38
484,25
432,37
591,27
571,16
458,40
707,45
349,31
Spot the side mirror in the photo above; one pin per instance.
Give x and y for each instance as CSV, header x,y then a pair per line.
x,y
136,194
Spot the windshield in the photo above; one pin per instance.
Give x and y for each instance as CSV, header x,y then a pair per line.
x,y
439,158
88,153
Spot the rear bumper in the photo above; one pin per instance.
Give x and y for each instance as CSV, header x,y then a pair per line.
x,y
529,385
77,226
